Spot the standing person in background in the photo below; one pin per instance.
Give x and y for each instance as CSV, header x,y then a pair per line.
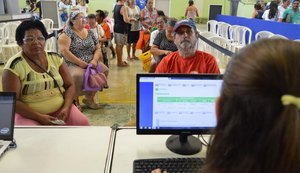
x,y
191,11
100,16
148,17
258,11
234,4
187,59
281,8
110,23
121,30
292,15
39,9
29,6
83,7
134,29
272,13
64,10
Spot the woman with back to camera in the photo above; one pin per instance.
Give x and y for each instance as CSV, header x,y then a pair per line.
x,y
271,14
41,80
258,112
79,48
191,11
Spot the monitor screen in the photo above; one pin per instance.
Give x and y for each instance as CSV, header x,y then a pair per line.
x,y
179,104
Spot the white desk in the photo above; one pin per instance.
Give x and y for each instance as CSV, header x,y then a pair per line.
x,y
130,146
57,150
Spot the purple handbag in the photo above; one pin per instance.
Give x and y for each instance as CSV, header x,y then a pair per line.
x,y
94,79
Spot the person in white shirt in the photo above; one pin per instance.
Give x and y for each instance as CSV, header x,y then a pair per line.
x,y
83,7
271,14
96,28
282,7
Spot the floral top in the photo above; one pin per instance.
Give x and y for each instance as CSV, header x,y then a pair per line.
x,y
81,48
150,17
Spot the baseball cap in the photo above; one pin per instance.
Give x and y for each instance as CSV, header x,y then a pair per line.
x,y
184,22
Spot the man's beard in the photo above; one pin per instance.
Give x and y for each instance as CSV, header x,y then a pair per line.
x,y
186,46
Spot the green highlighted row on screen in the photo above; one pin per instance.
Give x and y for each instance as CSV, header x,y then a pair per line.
x,y
187,99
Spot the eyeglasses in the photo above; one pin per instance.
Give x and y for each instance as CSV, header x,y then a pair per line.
x,y
32,39
80,18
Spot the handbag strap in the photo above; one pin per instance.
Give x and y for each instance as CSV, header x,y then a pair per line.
x,y
45,71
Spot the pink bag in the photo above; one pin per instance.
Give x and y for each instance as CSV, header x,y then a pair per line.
x,y
94,79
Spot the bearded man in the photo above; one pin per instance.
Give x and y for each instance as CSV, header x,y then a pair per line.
x,y
187,59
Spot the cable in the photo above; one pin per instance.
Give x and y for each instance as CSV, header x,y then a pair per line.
x,y
203,141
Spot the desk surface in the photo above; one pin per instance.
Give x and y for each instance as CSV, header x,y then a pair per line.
x,y
130,146
57,150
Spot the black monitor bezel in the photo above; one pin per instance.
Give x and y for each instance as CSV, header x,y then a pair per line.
x,y
11,135
168,131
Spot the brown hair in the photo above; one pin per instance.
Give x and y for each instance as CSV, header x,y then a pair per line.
x,y
255,132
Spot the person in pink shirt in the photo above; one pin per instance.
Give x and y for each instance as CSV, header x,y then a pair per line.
x,y
187,59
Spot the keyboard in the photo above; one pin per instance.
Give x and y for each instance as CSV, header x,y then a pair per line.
x,y
178,165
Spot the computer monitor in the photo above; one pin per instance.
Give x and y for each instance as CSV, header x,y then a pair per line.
x,y
177,104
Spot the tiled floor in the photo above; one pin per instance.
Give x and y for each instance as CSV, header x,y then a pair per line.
x,y
118,102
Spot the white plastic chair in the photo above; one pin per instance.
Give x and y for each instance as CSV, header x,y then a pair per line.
x,y
49,47
223,30
211,26
263,34
48,24
278,36
201,43
221,58
1,38
8,44
9,30
232,33
241,37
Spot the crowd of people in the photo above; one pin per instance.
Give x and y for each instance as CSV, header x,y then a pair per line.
x,y
277,10
258,109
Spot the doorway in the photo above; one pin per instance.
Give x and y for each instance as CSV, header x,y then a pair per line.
x,y
163,5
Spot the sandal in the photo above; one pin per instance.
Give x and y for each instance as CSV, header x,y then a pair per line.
x,y
90,104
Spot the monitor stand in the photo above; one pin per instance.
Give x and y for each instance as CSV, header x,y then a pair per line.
x,y
184,144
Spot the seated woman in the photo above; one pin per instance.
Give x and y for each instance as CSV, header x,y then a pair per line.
x,y
161,24
258,112
79,47
41,80
164,42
